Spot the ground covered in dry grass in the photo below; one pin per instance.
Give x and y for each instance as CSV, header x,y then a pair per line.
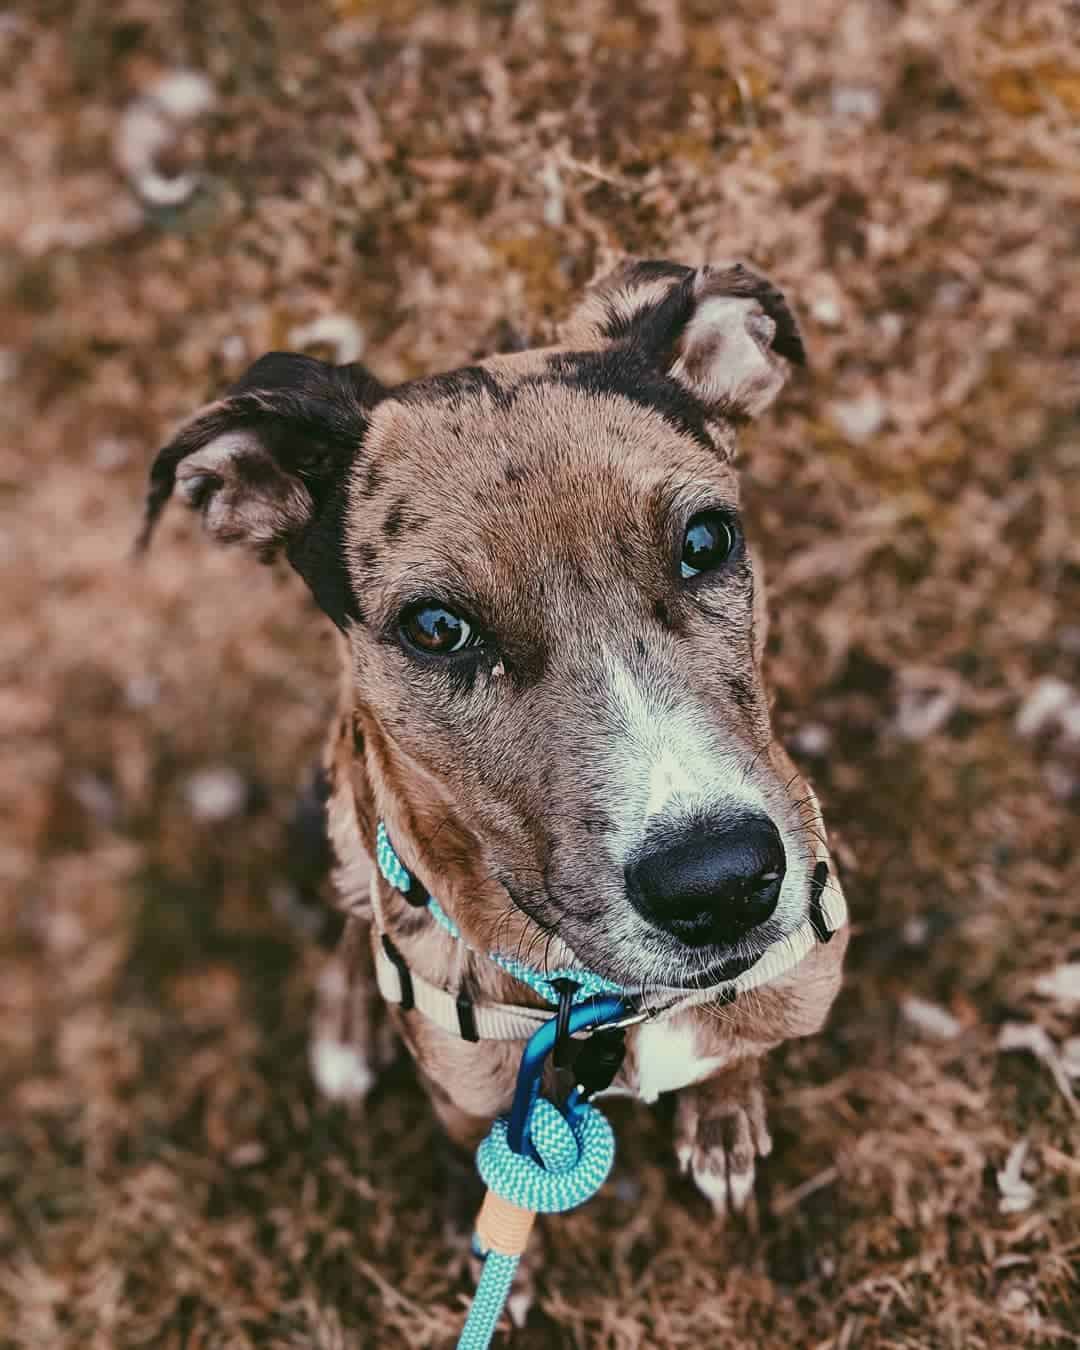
x,y
447,177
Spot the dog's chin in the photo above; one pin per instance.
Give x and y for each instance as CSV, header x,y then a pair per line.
x,y
707,970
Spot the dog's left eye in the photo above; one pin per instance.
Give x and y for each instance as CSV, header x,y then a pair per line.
x,y
707,544
436,629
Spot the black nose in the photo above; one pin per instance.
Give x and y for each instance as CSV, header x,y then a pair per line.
x,y
715,885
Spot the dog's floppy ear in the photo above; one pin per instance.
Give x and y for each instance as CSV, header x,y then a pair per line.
x,y
726,334
267,466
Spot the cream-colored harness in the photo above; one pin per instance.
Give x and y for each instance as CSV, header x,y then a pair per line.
x,y
456,1013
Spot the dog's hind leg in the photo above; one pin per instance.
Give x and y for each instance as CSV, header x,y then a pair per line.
x,y
351,1036
300,896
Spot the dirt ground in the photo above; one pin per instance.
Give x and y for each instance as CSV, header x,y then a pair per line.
x,y
443,179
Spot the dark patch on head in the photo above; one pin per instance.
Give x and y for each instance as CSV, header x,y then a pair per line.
x,y
651,269
395,518
456,387
366,555
515,473
741,690
645,320
318,554
626,371
661,613
373,478
639,646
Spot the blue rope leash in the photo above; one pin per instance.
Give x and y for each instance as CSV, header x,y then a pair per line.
x,y
538,1159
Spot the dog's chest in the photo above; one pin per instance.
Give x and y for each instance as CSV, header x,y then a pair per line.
x,y
666,1056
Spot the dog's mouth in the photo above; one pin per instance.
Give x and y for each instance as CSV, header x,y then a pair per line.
x,y
686,970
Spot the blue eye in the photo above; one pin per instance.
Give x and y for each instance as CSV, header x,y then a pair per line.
x,y
707,544
435,629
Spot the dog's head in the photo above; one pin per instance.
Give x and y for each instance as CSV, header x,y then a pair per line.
x,y
551,613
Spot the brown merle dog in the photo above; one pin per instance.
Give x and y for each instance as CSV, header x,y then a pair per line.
x,y
551,632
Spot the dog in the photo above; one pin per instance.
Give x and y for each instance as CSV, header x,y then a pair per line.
x,y
551,627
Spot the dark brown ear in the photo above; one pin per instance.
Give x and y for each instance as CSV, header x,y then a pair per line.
x,y
267,467
724,333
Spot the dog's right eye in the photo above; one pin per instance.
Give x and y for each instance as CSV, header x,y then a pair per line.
x,y
436,629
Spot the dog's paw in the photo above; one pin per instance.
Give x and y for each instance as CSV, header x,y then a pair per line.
x,y
720,1132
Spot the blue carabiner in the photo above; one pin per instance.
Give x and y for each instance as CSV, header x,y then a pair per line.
x,y
594,1012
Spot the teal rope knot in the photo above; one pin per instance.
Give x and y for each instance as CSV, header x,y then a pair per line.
x,y
575,1157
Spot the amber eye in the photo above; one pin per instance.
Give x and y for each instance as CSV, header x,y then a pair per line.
x,y
435,629
707,544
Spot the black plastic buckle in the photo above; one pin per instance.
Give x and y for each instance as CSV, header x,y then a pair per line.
x,y
417,895
599,1060
398,962
465,1019
817,913
566,989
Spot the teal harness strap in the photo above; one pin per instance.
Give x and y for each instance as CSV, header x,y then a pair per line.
x,y
546,985
537,1158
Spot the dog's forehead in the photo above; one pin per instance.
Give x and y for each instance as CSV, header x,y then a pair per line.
x,y
529,436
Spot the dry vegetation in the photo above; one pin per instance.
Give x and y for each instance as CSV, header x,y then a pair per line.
x,y
449,176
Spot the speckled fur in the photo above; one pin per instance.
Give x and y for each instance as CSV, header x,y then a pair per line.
x,y
539,489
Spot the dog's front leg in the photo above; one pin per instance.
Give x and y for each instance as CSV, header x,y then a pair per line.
x,y
720,1130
